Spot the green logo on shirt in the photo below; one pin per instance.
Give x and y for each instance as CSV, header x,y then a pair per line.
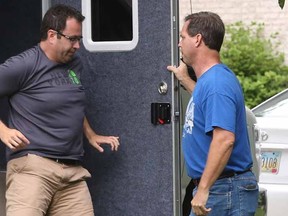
x,y
74,77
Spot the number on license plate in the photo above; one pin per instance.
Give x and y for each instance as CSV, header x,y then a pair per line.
x,y
270,162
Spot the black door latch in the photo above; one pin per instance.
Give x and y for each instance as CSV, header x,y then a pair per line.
x,y
160,113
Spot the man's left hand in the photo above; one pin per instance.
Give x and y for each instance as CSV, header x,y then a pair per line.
x,y
199,203
98,140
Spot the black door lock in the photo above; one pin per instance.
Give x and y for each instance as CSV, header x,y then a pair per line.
x,y
160,113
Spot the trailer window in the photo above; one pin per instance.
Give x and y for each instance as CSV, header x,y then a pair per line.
x,y
110,25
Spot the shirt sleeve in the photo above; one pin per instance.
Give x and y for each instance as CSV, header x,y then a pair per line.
x,y
220,111
12,73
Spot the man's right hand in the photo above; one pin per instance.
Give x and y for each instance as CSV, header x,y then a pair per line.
x,y
181,73
12,138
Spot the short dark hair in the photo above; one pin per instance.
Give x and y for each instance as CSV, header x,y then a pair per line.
x,y
209,25
56,17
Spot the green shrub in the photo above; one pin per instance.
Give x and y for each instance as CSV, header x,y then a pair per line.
x,y
255,60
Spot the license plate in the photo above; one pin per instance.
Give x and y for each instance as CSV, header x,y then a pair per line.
x,y
270,162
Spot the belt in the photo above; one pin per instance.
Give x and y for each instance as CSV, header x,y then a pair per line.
x,y
227,174
65,161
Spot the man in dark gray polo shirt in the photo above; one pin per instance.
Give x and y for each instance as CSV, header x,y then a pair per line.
x,y
46,122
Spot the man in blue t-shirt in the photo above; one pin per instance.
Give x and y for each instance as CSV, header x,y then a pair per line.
x,y
215,137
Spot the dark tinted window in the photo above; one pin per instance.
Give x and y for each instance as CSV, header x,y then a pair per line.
x,y
111,20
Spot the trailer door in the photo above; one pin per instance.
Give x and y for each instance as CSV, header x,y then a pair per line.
x,y
125,89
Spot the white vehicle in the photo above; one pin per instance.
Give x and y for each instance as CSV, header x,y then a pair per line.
x,y
272,117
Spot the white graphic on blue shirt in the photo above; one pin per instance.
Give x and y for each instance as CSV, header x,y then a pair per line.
x,y
189,118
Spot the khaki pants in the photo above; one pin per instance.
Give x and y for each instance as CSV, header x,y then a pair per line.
x,y
37,186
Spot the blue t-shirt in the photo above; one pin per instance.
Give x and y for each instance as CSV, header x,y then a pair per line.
x,y
217,101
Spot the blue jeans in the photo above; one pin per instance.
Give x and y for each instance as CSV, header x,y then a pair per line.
x,y
234,196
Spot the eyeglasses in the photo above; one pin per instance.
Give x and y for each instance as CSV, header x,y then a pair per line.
x,y
72,39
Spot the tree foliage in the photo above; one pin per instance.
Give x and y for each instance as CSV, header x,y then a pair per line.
x,y
255,61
